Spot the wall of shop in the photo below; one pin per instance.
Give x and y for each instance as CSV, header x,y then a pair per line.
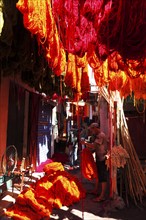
x,y
4,94
137,130
19,110
9,117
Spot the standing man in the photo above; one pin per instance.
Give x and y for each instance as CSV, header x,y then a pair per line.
x,y
99,145
73,146
84,134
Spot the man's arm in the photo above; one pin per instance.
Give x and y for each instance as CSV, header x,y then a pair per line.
x,y
89,145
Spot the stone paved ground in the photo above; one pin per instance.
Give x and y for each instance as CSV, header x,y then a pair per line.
x,y
86,209
107,210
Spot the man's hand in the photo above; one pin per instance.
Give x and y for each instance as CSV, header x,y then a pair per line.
x,y
83,142
107,156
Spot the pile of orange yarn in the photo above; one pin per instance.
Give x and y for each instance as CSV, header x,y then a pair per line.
x,y
55,189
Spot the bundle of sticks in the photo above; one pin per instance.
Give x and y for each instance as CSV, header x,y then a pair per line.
x,y
133,176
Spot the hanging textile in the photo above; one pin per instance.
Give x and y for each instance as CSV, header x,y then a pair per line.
x,y
88,165
39,20
75,29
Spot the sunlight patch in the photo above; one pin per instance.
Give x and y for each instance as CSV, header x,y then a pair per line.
x,y
8,198
90,216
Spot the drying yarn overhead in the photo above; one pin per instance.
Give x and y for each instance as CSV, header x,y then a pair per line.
x,y
109,33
